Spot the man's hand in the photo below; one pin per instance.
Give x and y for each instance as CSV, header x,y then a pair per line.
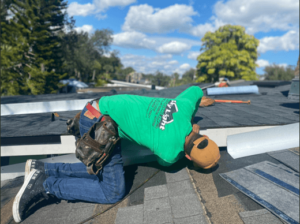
x,y
73,125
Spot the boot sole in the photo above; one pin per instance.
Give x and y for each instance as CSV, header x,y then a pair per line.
x,y
27,168
15,208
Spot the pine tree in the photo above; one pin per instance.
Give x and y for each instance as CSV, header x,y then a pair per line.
x,y
38,22
15,56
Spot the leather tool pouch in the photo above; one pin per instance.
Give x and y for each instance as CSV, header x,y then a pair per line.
x,y
97,144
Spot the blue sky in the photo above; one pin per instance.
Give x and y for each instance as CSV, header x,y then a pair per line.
x,y
166,35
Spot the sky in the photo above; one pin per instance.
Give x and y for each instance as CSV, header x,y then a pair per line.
x,y
165,35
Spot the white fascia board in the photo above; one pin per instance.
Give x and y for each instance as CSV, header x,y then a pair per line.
x,y
16,170
129,157
67,144
42,107
134,84
219,135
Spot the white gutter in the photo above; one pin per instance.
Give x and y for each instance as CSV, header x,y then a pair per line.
x,y
42,107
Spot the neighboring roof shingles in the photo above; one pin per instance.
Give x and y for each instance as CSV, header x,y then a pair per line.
x,y
272,107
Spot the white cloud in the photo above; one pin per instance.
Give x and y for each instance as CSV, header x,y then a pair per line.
x,y
76,9
145,18
148,65
173,62
85,28
174,47
259,15
201,29
182,68
193,55
103,5
96,7
262,63
289,41
133,40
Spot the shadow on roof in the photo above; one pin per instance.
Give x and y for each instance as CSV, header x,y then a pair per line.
x,y
291,105
285,93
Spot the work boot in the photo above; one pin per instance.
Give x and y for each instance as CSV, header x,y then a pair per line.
x,y
32,191
33,164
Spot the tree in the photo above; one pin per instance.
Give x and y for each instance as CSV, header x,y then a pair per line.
x,y
83,54
227,52
37,52
174,80
277,72
188,76
35,23
159,79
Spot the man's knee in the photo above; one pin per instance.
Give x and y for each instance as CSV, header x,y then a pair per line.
x,y
118,194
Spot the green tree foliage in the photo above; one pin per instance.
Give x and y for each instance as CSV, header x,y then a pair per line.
x,y
33,29
159,79
40,47
277,72
227,52
188,77
122,73
13,66
174,80
83,55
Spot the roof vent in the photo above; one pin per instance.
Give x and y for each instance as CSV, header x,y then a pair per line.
x,y
294,91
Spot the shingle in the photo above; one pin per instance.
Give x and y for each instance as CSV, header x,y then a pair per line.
x,y
156,192
158,217
157,211
259,216
281,202
178,176
244,121
185,206
130,215
288,158
198,219
184,187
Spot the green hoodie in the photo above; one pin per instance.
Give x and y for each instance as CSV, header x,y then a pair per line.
x,y
160,124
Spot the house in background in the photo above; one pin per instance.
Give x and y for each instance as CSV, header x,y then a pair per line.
x,y
134,77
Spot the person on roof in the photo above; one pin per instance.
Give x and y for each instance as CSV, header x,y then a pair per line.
x,y
163,125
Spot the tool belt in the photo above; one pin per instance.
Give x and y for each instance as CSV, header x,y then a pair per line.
x,y
97,144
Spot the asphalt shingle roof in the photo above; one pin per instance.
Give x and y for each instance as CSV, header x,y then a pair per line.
x,y
271,107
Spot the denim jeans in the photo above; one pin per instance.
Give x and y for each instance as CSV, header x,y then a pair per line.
x,y
72,181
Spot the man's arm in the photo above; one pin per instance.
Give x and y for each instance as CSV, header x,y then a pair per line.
x,y
193,95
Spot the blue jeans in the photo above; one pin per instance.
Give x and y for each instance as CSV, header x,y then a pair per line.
x,y
72,181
